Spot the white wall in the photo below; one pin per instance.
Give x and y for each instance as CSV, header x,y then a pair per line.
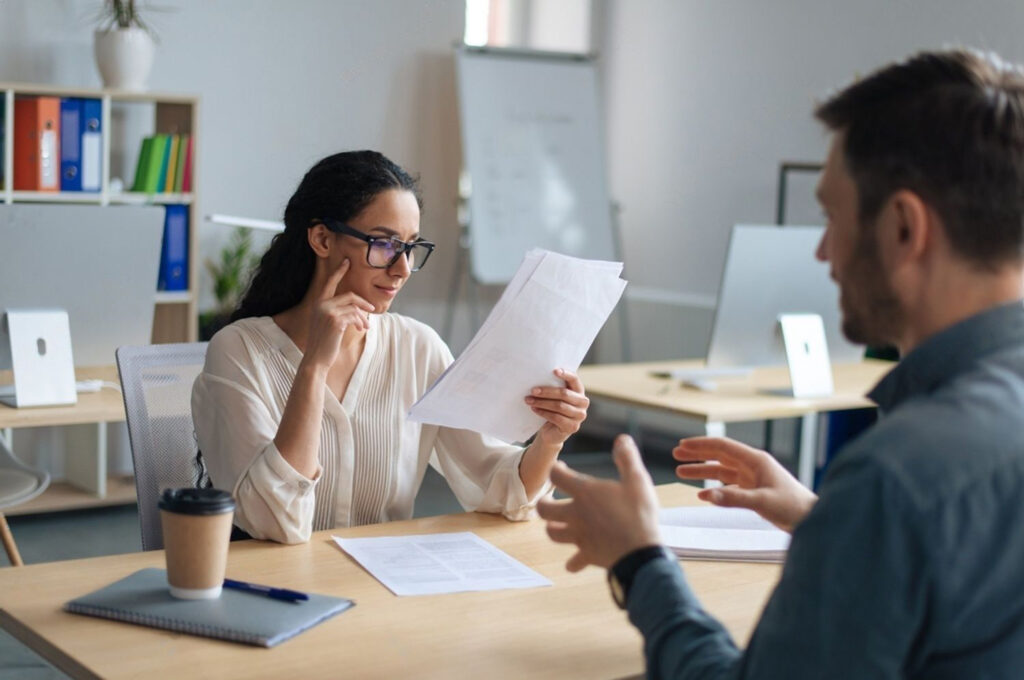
x,y
704,99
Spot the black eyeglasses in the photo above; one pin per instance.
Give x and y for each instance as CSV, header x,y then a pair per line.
x,y
384,251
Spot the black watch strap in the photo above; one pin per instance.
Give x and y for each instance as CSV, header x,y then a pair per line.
x,y
622,573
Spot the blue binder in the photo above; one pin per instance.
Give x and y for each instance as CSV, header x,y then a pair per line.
x,y
91,144
81,144
70,144
174,253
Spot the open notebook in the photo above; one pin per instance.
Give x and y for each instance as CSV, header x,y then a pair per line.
x,y
142,598
713,533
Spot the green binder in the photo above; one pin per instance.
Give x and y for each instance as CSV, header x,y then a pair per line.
x,y
157,163
143,165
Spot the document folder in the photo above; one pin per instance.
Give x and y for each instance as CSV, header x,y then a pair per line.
x,y
91,131
70,144
37,144
174,253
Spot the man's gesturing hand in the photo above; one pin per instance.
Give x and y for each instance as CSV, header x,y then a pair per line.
x,y
754,479
605,519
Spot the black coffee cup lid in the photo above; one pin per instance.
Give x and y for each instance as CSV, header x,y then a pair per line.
x,y
196,501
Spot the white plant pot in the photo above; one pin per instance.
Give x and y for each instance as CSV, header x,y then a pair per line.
x,y
124,57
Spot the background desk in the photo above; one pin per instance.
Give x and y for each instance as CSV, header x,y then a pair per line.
x,y
570,630
85,466
735,399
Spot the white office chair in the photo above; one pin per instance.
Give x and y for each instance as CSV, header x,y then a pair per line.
x,y
156,381
18,483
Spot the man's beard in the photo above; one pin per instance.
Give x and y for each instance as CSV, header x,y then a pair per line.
x,y
871,310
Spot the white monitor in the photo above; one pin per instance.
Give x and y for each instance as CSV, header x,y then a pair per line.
x,y
769,271
98,263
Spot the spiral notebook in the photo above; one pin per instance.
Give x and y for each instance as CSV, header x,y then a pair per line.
x,y
142,598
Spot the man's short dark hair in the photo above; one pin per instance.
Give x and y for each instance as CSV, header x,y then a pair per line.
x,y
948,126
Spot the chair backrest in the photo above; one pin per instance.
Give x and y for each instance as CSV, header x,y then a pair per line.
x,y
156,381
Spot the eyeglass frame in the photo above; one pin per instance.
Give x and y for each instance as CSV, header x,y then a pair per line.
x,y
406,247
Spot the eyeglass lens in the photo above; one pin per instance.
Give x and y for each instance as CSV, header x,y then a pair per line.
x,y
385,252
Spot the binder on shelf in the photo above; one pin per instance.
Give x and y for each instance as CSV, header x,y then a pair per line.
x,y
156,165
91,132
3,140
179,168
36,144
172,162
160,180
173,275
70,144
186,180
145,151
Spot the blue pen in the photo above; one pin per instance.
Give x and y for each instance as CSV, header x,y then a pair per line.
x,y
275,593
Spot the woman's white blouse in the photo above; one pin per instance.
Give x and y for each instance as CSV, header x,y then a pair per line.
x,y
372,458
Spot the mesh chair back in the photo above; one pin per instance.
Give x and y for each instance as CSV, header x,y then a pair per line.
x,y
156,381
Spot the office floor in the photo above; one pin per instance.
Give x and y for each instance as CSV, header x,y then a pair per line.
x,y
108,531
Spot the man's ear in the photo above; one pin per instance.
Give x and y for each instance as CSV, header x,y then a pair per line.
x,y
907,227
320,239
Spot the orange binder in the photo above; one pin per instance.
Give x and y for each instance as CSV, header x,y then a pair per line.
x,y
37,144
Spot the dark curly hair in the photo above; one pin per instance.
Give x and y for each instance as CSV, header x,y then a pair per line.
x,y
339,186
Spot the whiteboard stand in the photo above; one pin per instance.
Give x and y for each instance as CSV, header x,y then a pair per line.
x,y
461,262
625,340
626,343
534,160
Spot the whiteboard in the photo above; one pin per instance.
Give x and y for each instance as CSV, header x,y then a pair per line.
x,y
533,148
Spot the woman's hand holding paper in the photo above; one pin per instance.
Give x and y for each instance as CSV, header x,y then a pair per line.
x,y
564,408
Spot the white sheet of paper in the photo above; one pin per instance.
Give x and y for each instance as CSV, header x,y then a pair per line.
x,y
432,564
547,318
710,532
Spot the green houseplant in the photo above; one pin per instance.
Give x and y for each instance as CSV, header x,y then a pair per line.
x,y
230,275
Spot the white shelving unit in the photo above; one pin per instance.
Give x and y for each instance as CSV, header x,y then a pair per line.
x,y
175,317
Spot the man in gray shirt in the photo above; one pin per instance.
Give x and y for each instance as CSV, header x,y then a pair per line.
x,y
911,562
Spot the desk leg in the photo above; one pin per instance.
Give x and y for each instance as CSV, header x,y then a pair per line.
x,y
807,457
7,434
713,429
85,462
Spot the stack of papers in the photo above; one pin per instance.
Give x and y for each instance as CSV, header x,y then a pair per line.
x,y
713,533
547,318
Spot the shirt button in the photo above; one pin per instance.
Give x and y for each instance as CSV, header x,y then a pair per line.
x,y
303,485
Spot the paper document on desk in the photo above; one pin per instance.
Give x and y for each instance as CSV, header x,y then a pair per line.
x,y
547,318
432,564
714,533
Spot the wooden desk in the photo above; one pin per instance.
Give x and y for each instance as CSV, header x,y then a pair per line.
x,y
735,399
86,470
570,630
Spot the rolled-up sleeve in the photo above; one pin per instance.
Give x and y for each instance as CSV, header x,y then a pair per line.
x,y
483,473
235,430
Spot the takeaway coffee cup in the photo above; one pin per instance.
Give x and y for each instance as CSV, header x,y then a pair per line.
x,y
197,530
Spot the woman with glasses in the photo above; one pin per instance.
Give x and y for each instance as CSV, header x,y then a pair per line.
x,y
300,410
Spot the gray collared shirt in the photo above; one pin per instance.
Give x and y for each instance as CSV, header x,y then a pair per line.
x,y
911,564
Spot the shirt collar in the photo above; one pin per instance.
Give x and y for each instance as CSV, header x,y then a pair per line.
x,y
950,352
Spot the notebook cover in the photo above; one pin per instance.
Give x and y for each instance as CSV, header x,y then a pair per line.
x,y
142,598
